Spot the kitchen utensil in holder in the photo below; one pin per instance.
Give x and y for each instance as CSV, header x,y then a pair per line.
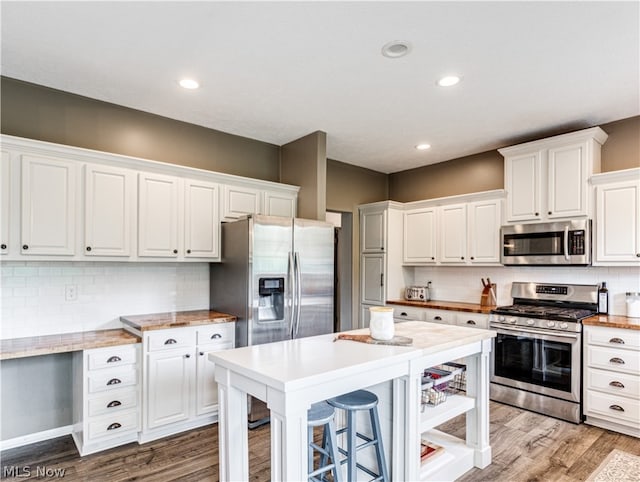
x,y
488,297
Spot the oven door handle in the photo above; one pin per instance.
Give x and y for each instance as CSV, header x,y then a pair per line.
x,y
536,332
566,243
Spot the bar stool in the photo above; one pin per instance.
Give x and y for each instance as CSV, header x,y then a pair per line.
x,y
323,414
351,403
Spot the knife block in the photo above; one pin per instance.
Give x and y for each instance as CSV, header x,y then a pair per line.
x,y
487,298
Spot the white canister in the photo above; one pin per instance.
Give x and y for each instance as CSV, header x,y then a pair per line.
x,y
633,305
381,322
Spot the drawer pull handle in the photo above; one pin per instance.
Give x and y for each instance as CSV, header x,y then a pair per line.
x,y
617,408
115,403
617,361
437,318
215,336
471,322
114,381
616,384
170,341
114,426
618,341
114,359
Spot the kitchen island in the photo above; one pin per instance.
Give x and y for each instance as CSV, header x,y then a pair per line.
x,y
291,375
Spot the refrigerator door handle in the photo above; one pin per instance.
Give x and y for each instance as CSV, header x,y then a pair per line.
x,y
298,288
292,293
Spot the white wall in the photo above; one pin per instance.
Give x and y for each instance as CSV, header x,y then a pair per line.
x,y
463,283
33,294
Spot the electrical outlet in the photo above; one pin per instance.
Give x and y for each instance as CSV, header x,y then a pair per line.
x,y
71,292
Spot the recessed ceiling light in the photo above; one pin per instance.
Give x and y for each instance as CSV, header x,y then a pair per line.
x,y
396,48
423,147
448,81
189,84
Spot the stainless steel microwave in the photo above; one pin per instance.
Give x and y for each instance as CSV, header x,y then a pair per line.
x,y
547,244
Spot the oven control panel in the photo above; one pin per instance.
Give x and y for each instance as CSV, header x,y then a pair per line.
x,y
523,323
551,290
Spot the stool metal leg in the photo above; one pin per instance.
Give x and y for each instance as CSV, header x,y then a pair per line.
x,y
377,435
351,446
333,450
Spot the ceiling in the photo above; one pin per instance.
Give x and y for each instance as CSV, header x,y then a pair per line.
x,y
276,71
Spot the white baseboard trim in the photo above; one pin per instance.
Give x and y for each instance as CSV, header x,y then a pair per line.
x,y
35,437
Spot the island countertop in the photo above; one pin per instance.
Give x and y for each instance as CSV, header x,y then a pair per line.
x,y
175,319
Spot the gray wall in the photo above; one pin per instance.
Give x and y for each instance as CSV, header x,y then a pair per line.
x,y
36,394
37,112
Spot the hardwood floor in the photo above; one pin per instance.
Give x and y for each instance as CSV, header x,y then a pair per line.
x,y
526,447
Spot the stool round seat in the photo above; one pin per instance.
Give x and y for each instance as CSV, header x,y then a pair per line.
x,y
358,400
319,414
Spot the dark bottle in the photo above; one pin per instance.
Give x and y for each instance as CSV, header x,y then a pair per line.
x,y
603,299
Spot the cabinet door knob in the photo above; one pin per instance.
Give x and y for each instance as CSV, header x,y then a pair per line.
x,y
114,381
617,361
115,403
187,356
616,384
472,258
432,258
215,336
188,251
170,341
549,213
114,426
637,255
537,214
618,341
88,248
25,246
201,353
114,359
617,408
175,251
3,246
461,257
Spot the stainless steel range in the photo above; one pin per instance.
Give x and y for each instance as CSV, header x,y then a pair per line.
x,y
537,354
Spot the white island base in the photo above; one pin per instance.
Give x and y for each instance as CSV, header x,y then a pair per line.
x,y
291,375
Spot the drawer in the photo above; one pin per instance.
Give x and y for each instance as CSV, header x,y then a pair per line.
x,y
113,401
472,320
613,407
625,361
112,356
441,316
170,339
216,333
113,425
613,337
114,379
408,313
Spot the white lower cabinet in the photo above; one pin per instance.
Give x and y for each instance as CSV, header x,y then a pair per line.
x,y
179,391
612,378
106,401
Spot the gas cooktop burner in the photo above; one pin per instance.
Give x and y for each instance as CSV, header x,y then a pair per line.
x,y
547,312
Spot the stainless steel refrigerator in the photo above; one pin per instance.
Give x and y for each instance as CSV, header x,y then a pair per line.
x,y
277,277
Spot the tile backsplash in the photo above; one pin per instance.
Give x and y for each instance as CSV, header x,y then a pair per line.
x,y
33,294
463,283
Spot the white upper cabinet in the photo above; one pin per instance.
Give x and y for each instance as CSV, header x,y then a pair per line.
x,y
453,234
5,201
238,201
157,215
279,204
522,180
617,222
48,206
484,220
548,179
201,220
372,231
109,204
419,240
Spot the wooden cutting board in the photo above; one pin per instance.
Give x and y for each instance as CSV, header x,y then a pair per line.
x,y
396,340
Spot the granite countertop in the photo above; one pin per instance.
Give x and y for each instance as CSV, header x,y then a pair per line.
x,y
66,342
176,319
445,305
613,321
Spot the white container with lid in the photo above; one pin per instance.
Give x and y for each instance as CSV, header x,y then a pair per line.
x,y
633,304
381,323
